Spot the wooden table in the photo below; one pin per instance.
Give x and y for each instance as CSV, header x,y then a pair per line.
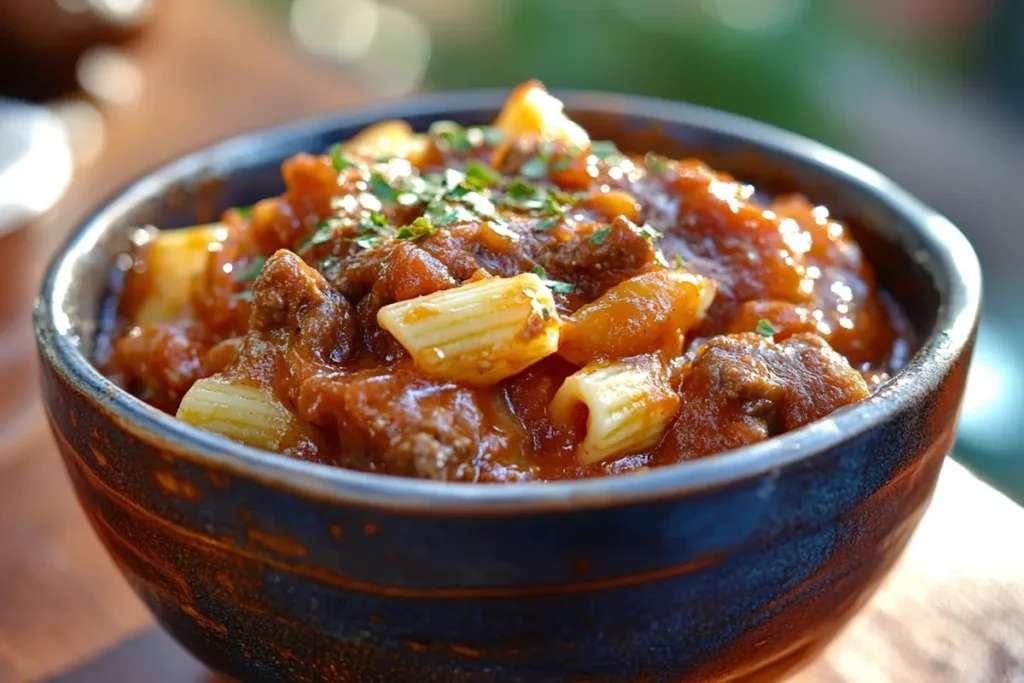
x,y
952,611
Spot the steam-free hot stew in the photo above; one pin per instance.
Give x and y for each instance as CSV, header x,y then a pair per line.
x,y
503,303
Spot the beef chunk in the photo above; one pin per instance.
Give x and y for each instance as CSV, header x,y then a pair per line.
x,y
744,388
298,322
415,427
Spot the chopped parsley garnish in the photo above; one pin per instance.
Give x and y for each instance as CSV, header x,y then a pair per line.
x,y
452,179
244,295
373,229
679,263
252,271
479,203
553,285
420,228
547,223
481,176
324,233
600,235
453,137
563,162
765,328
545,314
338,159
441,213
368,240
603,149
656,163
380,187
244,211
534,168
650,232
329,262
521,195
493,136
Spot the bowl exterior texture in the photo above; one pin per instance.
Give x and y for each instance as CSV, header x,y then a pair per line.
x,y
742,582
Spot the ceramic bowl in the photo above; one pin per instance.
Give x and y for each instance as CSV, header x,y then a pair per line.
x,y
736,567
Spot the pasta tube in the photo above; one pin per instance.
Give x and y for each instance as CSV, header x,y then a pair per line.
x,y
242,412
479,333
175,263
628,406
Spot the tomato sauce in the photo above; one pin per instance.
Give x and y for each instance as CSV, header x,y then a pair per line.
x,y
289,300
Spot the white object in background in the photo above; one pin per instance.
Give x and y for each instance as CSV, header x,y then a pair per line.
x,y
35,162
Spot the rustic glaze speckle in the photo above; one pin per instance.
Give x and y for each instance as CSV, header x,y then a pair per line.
x,y
735,568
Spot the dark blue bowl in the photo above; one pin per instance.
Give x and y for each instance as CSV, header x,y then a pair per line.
x,y
738,566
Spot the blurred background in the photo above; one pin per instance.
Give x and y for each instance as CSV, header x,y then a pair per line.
x,y
929,91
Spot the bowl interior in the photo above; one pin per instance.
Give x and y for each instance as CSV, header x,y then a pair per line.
x,y
922,261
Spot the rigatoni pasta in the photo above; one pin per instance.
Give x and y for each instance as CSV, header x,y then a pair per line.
x,y
479,333
175,263
242,412
627,404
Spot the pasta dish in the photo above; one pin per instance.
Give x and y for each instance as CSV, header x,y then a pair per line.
x,y
512,302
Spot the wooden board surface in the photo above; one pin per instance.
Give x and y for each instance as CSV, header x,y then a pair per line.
x,y
953,610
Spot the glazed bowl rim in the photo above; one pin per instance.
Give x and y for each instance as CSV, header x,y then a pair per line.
x,y
947,255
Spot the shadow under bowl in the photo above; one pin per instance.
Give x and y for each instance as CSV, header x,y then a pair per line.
x,y
735,567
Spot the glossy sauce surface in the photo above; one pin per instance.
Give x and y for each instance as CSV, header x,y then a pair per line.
x,y
289,300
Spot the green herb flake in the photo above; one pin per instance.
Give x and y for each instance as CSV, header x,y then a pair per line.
x,y
324,233
480,176
656,163
338,159
368,241
603,149
244,212
765,328
245,295
534,168
679,263
547,223
453,137
493,136
479,203
564,162
420,228
329,262
381,188
554,285
545,314
459,192
452,179
251,271
600,235
650,232
519,189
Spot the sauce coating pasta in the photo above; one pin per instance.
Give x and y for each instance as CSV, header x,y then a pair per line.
x,y
514,302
